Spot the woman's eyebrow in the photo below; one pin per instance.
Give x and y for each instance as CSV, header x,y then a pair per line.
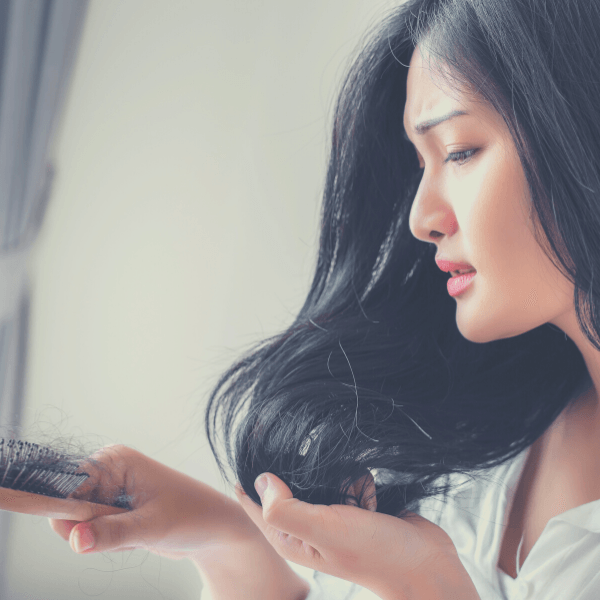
x,y
423,127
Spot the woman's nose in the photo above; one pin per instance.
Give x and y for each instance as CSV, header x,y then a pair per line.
x,y
431,216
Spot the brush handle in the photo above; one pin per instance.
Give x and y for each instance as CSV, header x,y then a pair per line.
x,y
54,508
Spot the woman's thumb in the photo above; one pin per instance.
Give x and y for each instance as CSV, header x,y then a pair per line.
x,y
105,534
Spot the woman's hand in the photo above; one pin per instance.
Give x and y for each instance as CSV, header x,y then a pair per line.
x,y
173,515
394,558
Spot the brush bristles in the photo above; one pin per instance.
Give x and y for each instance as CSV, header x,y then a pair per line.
x,y
31,468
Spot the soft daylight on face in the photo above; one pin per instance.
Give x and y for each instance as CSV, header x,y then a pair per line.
x,y
477,210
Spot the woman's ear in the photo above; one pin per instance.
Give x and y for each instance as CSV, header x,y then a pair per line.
x,y
369,498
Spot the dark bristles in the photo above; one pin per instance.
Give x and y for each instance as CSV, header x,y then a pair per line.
x,y
32,468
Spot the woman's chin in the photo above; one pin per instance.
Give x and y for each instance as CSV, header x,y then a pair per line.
x,y
476,335
475,329
481,332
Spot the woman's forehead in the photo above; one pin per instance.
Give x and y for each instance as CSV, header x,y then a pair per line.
x,y
431,97
427,96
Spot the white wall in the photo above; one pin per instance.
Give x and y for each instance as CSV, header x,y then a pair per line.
x,y
183,226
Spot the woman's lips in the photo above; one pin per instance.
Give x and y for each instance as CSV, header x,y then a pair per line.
x,y
449,265
459,283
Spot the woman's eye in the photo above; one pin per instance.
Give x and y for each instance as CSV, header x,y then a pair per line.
x,y
460,157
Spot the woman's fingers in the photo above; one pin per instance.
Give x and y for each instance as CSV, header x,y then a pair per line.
x,y
107,469
300,519
287,546
111,533
294,528
62,527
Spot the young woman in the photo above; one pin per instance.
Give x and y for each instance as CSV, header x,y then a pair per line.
x,y
425,437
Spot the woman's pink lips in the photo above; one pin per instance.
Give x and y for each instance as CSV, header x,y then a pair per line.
x,y
448,265
459,283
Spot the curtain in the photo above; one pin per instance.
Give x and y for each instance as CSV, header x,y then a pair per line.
x,y
38,45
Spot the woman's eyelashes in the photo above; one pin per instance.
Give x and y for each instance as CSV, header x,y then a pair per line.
x,y
460,158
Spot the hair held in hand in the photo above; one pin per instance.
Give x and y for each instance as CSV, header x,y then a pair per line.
x,y
373,374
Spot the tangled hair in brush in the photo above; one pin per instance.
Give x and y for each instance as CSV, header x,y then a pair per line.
x,y
60,467
373,374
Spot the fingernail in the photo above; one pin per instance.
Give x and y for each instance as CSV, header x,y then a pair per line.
x,y
261,484
83,538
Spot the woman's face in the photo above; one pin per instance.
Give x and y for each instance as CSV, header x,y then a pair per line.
x,y
477,210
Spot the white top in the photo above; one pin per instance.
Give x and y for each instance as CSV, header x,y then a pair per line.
x,y
563,564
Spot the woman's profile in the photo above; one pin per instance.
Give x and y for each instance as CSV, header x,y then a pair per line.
x,y
446,361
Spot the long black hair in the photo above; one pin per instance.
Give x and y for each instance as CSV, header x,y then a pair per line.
x,y
373,373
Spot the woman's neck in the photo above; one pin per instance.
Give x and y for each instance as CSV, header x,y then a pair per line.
x,y
583,414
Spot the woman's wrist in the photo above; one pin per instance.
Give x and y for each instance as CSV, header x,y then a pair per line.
x,y
249,569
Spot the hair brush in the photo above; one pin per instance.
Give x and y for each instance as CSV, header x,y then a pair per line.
x,y
37,480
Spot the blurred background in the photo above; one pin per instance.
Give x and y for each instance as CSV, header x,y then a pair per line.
x,y
159,214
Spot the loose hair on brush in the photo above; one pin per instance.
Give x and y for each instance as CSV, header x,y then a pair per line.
x,y
373,374
45,479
